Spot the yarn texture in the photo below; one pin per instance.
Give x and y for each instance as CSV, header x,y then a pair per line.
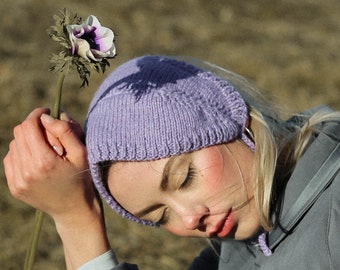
x,y
154,107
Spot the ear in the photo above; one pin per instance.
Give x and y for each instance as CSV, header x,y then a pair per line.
x,y
247,125
247,129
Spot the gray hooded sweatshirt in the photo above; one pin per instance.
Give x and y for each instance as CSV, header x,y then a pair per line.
x,y
310,216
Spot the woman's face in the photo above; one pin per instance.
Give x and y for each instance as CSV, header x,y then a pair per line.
x,y
206,193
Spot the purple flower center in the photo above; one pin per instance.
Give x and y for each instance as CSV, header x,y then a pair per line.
x,y
90,37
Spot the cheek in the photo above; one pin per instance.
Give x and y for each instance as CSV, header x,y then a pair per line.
x,y
213,176
221,182
174,225
175,229
217,170
222,170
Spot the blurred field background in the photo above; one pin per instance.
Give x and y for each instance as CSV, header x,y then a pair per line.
x,y
290,49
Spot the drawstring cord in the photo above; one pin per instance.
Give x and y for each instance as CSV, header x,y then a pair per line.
x,y
263,244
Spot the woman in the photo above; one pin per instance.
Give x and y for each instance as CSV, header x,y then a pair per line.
x,y
173,145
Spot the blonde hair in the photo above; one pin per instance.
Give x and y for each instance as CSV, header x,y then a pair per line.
x,y
279,144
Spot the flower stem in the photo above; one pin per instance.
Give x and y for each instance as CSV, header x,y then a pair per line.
x,y
57,101
30,255
39,215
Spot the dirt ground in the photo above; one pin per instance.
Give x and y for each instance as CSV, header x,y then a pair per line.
x,y
290,49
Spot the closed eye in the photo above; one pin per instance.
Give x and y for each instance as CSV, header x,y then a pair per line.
x,y
187,182
164,218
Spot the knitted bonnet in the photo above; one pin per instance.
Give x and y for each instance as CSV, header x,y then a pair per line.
x,y
154,107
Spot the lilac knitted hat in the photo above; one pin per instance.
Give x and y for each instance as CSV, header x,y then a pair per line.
x,y
154,107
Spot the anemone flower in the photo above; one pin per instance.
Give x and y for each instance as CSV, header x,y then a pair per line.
x,y
91,41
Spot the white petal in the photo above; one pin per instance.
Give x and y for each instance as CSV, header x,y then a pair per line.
x,y
104,38
109,53
92,20
77,30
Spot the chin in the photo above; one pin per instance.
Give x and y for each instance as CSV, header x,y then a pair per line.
x,y
246,233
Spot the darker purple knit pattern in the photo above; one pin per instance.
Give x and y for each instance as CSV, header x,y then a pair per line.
x,y
155,107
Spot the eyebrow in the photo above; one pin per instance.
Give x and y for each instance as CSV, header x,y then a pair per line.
x,y
165,175
163,187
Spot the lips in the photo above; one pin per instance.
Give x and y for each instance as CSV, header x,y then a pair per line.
x,y
224,226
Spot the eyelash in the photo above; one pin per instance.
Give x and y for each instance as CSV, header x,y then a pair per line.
x,y
188,179
164,218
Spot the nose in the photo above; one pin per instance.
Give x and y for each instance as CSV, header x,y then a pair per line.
x,y
192,222
195,218
192,214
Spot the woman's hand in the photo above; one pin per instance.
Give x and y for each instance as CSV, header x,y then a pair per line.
x,y
46,167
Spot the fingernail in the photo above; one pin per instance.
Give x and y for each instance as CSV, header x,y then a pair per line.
x,y
65,117
46,118
58,150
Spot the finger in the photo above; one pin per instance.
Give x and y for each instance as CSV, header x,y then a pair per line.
x,y
64,132
30,146
18,173
13,168
8,168
20,146
65,117
36,136
18,153
55,144
75,125
38,112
